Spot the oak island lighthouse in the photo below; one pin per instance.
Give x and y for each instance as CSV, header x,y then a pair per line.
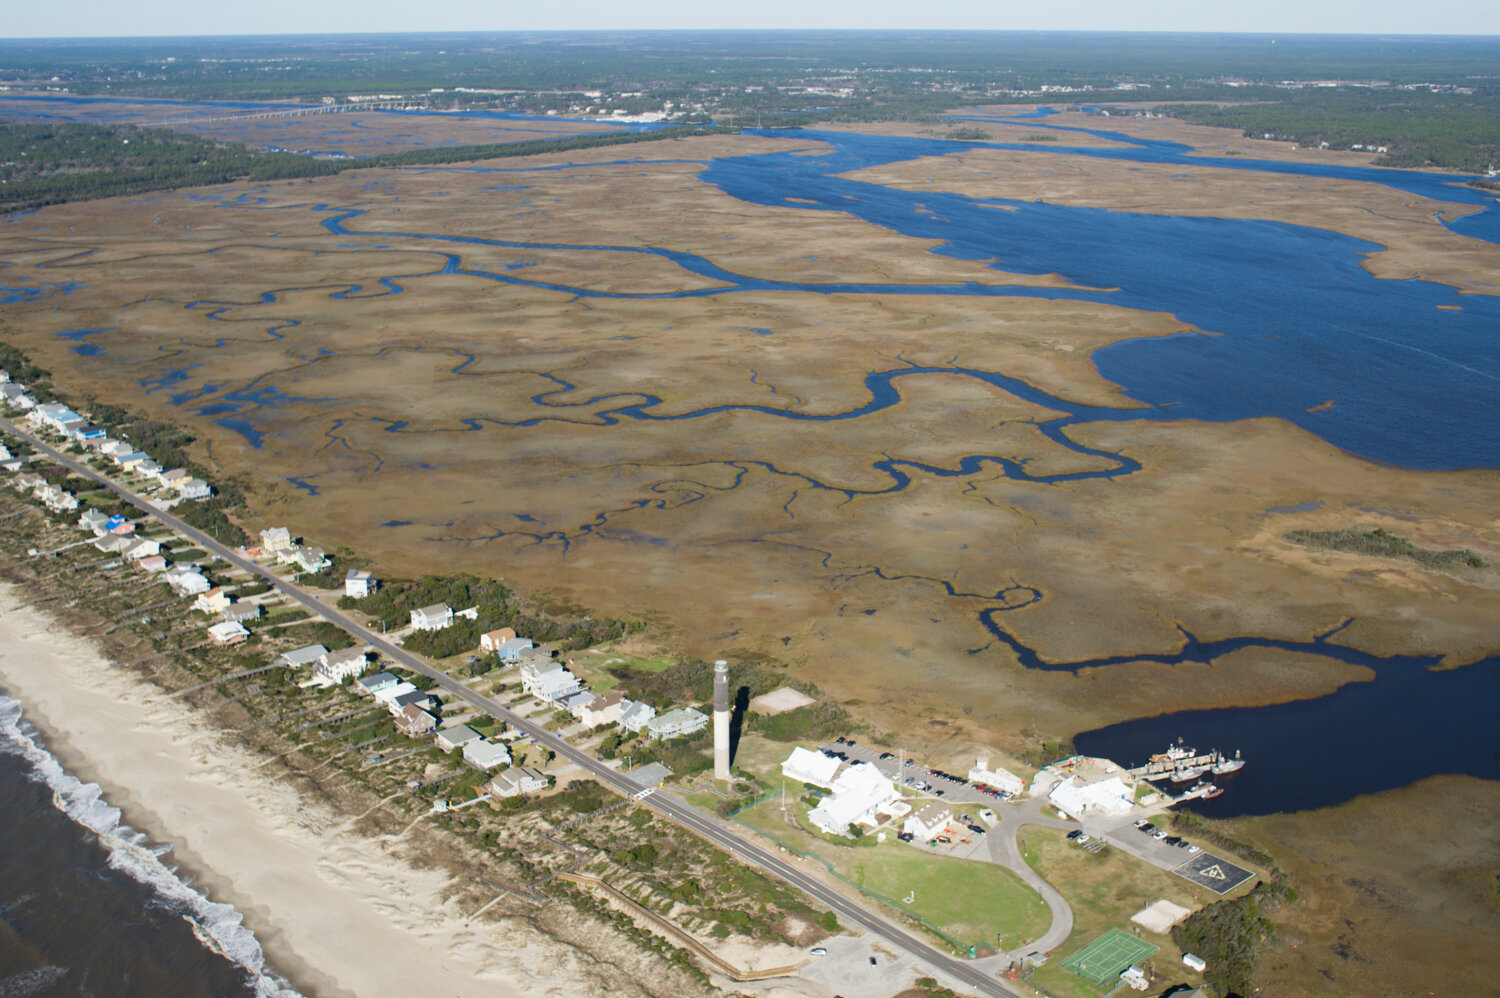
x,y
721,720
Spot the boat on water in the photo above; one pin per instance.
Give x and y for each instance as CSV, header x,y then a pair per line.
x,y
1207,790
1187,775
1174,753
1223,765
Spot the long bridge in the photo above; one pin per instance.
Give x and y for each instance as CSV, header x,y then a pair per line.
x,y
294,112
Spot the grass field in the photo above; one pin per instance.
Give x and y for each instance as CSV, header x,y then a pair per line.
x,y
1102,960
970,902
1104,890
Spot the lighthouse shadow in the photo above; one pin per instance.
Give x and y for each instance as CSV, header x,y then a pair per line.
x,y
737,719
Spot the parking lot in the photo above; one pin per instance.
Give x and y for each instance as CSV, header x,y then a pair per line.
x,y
914,776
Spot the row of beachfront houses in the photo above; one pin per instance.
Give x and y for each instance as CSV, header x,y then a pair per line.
x,y
552,684
61,421
415,713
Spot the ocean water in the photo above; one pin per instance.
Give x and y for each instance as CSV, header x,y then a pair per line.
x,y
91,907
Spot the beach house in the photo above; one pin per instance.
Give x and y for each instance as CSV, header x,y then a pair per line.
x,y
432,618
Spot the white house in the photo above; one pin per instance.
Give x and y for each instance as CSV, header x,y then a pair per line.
x,y
1108,797
676,723
927,823
807,766
636,714
517,780
860,793
549,683
359,583
142,547
194,488
486,755
186,581
336,666
227,633
93,520
432,618
494,639
389,694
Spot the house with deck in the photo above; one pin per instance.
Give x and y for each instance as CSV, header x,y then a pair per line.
x,y
359,583
677,723
215,601
227,633
486,755
516,781
432,618
305,656
494,639
337,666
414,722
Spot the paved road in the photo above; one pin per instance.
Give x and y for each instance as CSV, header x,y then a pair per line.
x,y
682,813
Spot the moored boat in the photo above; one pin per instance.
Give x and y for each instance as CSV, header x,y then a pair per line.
x,y
1224,765
1187,775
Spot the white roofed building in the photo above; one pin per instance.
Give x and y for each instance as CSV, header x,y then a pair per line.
x,y
1106,797
807,766
860,793
359,583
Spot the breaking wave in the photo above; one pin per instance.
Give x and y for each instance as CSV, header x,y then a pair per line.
x,y
218,926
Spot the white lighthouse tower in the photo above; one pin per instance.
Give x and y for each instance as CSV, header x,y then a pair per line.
x,y
721,720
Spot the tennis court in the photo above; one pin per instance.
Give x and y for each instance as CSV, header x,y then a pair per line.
x,y
1102,960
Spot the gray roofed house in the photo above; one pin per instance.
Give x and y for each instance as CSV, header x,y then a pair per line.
x,y
376,683
92,519
636,715
485,755
304,656
432,618
419,698
677,723
457,736
517,780
241,612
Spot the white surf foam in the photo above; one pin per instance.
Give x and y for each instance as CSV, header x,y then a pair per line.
x,y
219,926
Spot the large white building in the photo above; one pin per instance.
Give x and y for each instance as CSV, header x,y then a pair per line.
x,y
1106,797
807,766
860,793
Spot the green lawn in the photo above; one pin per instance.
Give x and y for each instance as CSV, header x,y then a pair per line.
x,y
594,668
968,901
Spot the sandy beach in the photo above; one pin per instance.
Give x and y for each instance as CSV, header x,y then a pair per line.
x,y
334,911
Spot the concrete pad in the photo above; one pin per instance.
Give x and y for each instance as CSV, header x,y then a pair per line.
x,y
780,701
1217,874
1160,916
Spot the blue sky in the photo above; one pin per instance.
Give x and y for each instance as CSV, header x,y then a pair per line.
x,y
108,18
